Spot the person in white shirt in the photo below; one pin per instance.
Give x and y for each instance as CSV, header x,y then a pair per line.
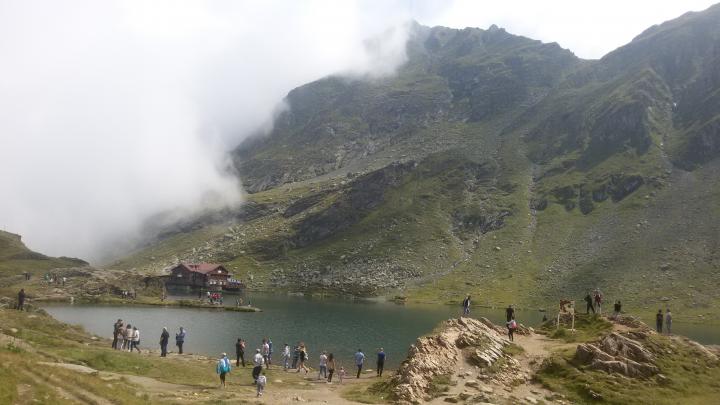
x,y
261,382
135,340
323,365
258,362
266,353
286,356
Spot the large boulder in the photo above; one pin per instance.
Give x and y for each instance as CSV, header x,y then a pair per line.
x,y
439,354
618,353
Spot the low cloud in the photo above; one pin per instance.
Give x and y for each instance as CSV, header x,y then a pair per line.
x,y
111,112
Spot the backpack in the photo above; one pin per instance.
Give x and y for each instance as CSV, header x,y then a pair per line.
x,y
513,324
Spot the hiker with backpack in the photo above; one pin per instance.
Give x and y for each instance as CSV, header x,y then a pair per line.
x,y
222,368
659,321
598,297
466,306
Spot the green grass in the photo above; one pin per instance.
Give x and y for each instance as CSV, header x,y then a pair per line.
x,y
379,392
587,328
691,378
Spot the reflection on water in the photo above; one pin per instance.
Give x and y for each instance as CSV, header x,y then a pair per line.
x,y
336,325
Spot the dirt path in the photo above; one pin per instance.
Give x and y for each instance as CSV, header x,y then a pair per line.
x,y
311,390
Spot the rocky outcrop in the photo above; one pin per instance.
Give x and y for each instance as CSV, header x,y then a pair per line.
x,y
619,353
438,355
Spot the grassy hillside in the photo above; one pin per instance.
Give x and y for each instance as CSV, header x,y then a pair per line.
x,y
16,258
490,164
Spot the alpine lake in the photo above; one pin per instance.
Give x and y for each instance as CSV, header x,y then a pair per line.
x,y
336,325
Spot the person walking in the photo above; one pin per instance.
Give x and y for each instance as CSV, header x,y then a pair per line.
x,y
380,362
286,356
512,325
117,330
258,362
331,367
509,313
359,360
466,306
323,365
659,321
164,339
270,351
589,304
617,307
135,344
266,352
21,299
296,355
341,374
668,321
261,382
180,339
222,368
303,358
240,352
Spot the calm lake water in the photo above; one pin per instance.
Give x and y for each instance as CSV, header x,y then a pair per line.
x,y
336,325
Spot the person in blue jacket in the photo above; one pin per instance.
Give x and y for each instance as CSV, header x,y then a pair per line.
x,y
223,367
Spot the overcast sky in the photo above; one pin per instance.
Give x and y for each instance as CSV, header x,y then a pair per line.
x,y
111,111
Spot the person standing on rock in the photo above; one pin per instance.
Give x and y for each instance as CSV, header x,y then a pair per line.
x,y
511,326
659,321
668,321
164,339
509,313
21,299
466,306
589,301
380,361
117,332
180,339
222,368
240,352
359,360
258,362
598,300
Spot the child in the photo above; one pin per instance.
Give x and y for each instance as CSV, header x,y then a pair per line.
x,y
261,381
341,374
512,325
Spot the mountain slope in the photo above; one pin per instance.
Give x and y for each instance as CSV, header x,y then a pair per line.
x,y
491,164
16,258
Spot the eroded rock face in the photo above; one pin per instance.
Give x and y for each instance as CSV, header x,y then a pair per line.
x,y
437,355
619,353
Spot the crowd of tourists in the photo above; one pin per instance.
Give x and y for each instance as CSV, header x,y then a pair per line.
x,y
291,359
127,338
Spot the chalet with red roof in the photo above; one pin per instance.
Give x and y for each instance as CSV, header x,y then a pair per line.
x,y
201,275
